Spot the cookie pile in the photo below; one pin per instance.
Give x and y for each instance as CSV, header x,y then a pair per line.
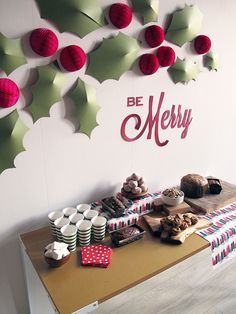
x,y
176,224
135,184
173,192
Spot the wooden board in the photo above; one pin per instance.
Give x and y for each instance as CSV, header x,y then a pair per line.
x,y
179,209
211,202
154,225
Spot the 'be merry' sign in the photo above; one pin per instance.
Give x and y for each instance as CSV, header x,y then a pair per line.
x,y
154,125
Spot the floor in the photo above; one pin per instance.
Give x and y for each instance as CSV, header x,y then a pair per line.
x,y
192,286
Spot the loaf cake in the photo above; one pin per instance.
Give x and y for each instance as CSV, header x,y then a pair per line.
x,y
194,185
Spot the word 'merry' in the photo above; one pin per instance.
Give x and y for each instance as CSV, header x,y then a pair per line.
x,y
156,122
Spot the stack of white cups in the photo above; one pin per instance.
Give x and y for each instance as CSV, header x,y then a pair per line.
x,y
69,235
52,217
84,232
98,228
59,223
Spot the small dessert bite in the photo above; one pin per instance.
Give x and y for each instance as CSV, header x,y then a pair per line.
x,y
134,186
56,253
177,223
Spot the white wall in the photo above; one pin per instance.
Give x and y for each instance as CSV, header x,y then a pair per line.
x,y
60,167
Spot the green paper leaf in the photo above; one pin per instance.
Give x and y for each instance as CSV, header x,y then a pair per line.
x,y
147,8
76,16
113,57
12,131
46,91
212,61
184,71
185,25
86,107
11,54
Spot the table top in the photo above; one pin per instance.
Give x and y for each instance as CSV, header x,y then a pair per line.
x,y
73,286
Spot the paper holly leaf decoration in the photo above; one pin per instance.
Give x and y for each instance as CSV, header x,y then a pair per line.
x,y
46,91
147,8
11,55
113,57
212,61
76,16
185,25
12,131
184,71
86,107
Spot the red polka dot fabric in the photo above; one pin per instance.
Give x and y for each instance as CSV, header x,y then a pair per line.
x,y
96,255
120,15
43,42
9,93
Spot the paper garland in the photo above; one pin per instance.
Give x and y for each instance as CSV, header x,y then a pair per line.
x,y
80,16
185,25
11,54
12,131
184,71
147,8
86,107
46,91
113,57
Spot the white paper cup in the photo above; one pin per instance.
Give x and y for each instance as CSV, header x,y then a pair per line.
x,y
69,235
74,218
90,213
84,225
82,207
99,221
52,216
69,211
84,243
103,229
59,223
69,231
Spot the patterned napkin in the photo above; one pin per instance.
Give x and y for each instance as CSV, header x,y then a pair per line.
x,y
96,255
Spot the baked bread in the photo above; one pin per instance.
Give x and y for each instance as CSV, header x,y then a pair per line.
x,y
194,185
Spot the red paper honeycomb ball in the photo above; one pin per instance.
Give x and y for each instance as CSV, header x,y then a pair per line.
x,y
43,42
120,15
9,93
72,58
166,56
202,44
148,64
154,36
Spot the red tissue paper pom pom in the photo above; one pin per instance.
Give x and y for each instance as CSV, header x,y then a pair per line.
x,y
148,64
72,58
43,42
166,56
9,93
202,44
154,36
120,15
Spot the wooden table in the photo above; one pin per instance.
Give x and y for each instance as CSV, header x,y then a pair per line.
x,y
73,287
